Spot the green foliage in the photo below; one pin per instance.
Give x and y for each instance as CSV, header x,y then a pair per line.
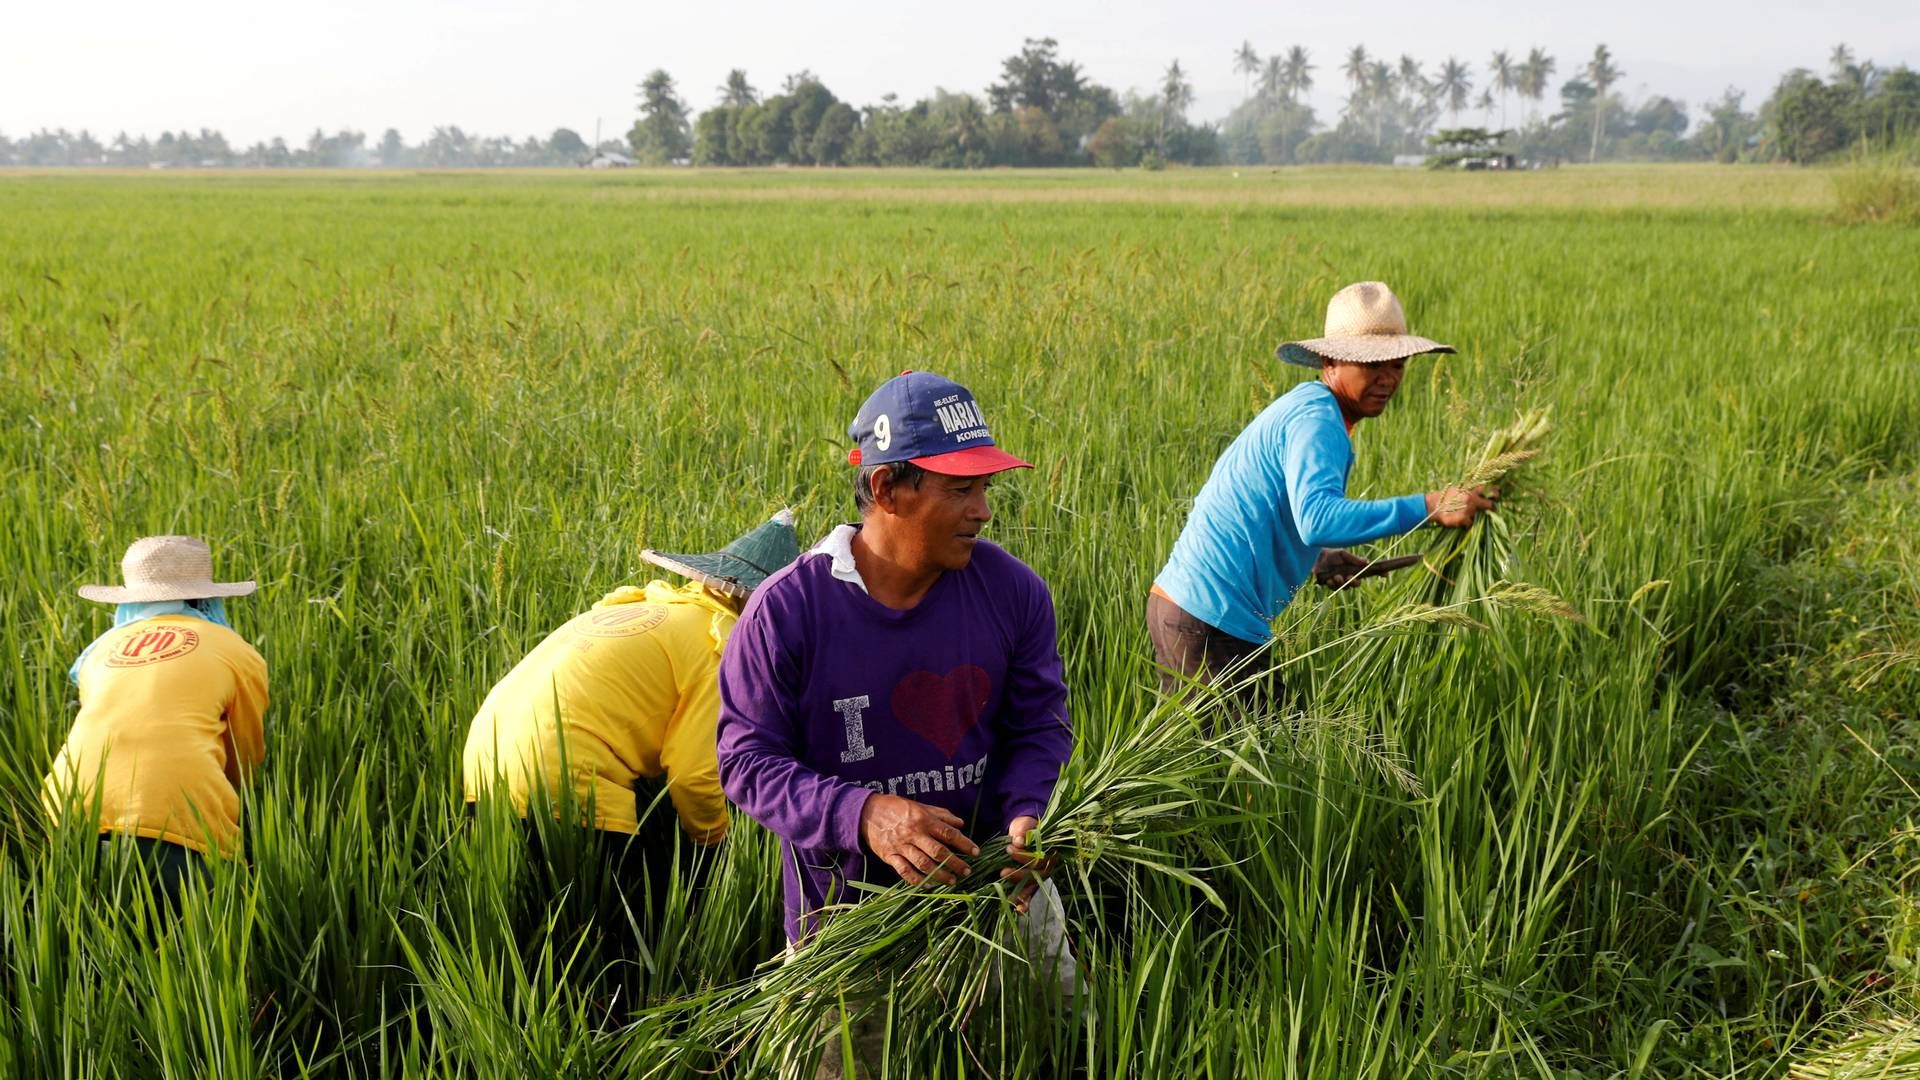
x,y
661,135
1881,188
1808,120
1454,145
1043,112
436,416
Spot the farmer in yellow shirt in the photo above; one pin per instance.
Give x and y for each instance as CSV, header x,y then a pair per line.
x,y
171,703
622,697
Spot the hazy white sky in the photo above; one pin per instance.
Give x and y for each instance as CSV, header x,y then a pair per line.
x,y
258,68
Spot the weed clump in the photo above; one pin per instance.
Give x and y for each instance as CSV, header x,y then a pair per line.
x,y
1881,189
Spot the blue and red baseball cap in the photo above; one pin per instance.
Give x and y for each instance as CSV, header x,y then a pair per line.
x,y
931,421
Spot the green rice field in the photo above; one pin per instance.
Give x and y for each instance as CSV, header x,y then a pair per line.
x,y
437,415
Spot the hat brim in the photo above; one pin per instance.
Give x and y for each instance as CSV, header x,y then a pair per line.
x,y
717,570
1358,349
147,594
973,461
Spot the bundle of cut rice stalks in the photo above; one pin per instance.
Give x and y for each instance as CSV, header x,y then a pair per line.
x,y
1153,802
1481,564
1467,578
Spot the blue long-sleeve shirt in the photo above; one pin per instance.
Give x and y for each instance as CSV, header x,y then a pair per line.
x,y
1276,497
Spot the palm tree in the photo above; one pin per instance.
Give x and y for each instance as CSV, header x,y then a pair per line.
x,y
1412,79
1176,94
1273,79
1298,74
1502,69
1842,61
1602,74
1455,86
1485,105
737,91
1175,91
1380,92
1535,74
1355,68
1847,71
1246,62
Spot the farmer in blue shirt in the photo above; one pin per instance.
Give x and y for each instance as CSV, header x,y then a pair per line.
x,y
1275,508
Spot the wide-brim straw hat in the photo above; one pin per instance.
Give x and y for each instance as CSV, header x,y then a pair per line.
x,y
742,565
1365,325
166,568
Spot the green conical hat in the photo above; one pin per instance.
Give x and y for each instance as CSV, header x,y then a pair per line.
x,y
741,566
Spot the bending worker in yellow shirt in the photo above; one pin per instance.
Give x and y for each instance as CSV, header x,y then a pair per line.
x,y
171,702
620,697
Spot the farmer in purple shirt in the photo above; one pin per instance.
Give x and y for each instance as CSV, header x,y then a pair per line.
x,y
897,691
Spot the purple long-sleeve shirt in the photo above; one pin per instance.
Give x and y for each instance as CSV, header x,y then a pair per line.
x,y
827,696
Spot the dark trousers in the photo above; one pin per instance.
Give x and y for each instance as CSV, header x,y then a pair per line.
x,y
634,871
1188,649
166,864
617,883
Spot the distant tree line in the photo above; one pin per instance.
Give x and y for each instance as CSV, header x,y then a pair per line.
x,y
445,147
1044,111
1393,108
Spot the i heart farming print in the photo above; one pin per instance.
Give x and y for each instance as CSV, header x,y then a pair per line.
x,y
942,709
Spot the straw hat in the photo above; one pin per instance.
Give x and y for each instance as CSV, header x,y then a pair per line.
x,y
1364,326
741,566
166,568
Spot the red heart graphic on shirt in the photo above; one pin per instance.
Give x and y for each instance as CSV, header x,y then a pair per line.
x,y
942,708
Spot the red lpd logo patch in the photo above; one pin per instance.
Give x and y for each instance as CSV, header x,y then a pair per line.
x,y
153,645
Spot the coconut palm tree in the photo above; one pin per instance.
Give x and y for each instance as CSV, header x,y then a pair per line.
x,y
1273,79
1455,87
736,91
1176,95
1380,93
1602,73
1297,73
1355,69
1502,68
1411,76
1535,74
1847,71
1246,62
1841,59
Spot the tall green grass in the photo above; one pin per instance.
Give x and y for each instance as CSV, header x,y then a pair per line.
x,y
1880,188
437,416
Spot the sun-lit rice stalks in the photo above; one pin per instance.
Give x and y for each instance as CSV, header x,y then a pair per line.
x,y
1883,1049
1875,666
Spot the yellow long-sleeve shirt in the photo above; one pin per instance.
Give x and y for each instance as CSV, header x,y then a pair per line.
x,y
169,731
631,689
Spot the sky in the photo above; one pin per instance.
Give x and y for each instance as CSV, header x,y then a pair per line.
x,y
254,69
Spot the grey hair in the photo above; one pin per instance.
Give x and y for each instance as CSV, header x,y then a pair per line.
x,y
902,472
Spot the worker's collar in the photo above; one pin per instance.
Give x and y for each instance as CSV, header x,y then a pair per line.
x,y
838,546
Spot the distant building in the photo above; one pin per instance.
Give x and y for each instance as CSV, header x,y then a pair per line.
x,y
1410,159
610,159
